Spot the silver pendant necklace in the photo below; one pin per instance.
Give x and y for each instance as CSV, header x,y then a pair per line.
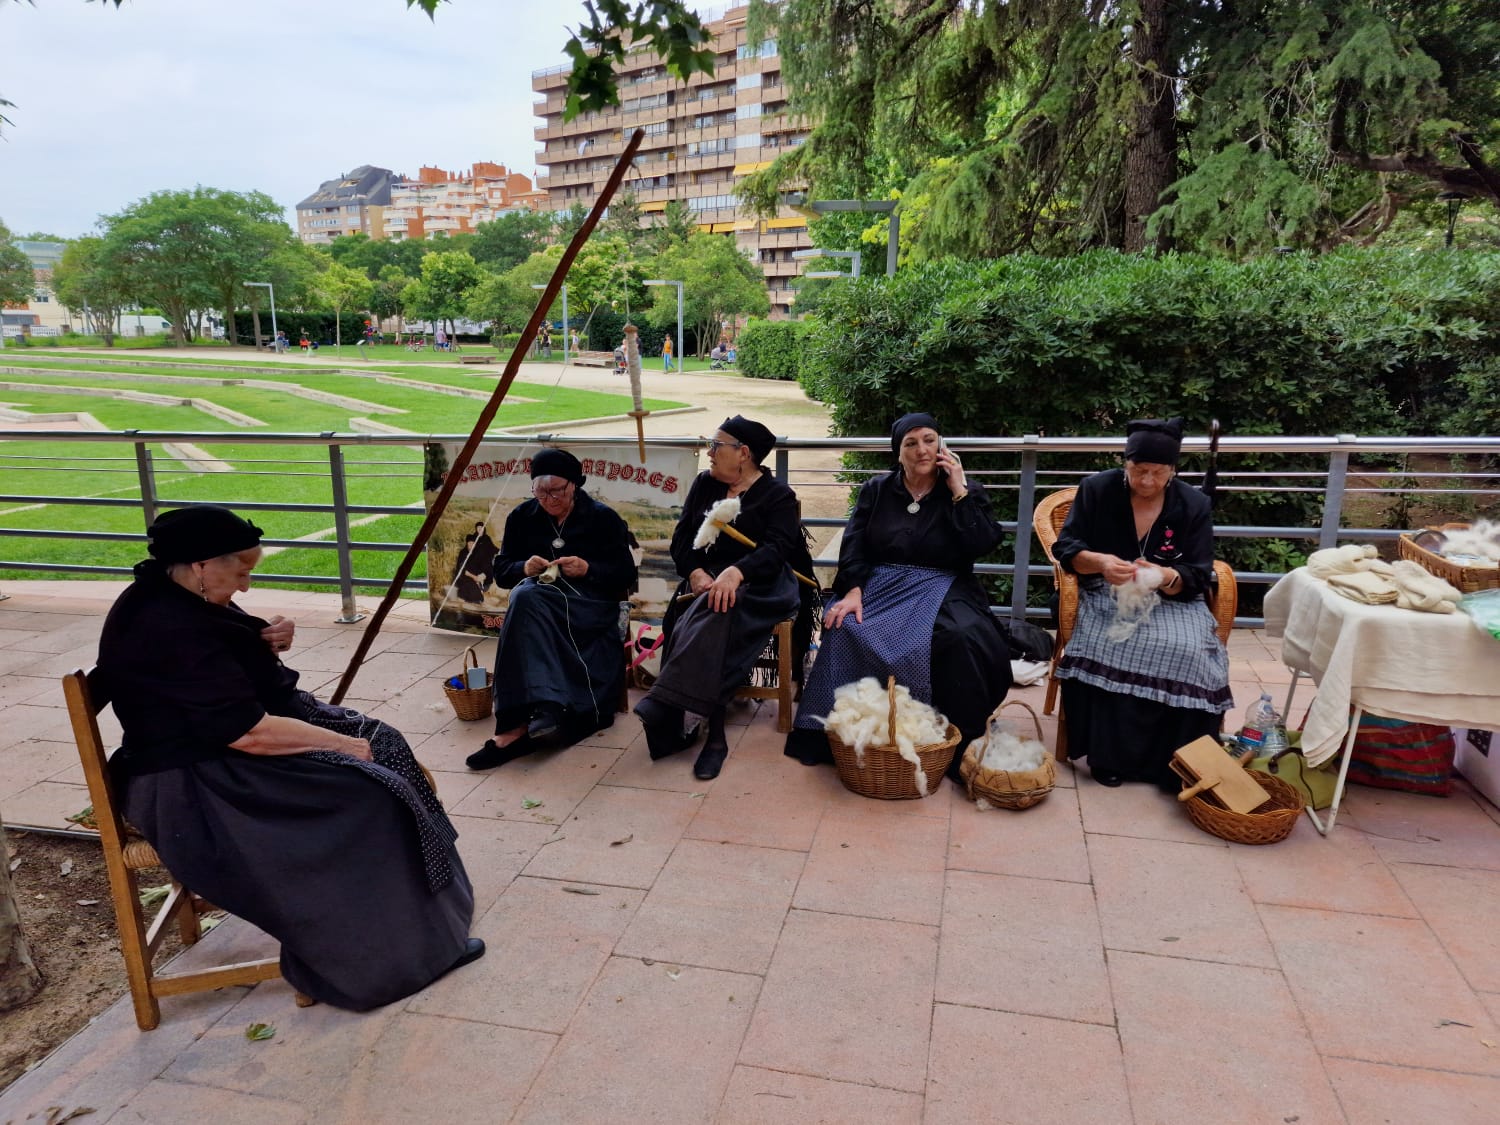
x,y
916,501
914,507
558,543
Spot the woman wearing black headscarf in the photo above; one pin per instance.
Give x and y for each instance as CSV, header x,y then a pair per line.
x,y
565,558
1134,695
735,594
310,821
908,603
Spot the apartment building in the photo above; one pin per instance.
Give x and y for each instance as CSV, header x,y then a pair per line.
x,y
351,204
451,203
702,137
42,314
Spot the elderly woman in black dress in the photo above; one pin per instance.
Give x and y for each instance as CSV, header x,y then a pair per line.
x,y
565,558
1134,697
734,595
310,821
909,604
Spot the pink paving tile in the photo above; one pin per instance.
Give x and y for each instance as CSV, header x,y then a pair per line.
x,y
617,837
1341,871
1176,900
769,1097
1206,1042
451,645
39,720
54,666
1023,945
545,947
869,1023
421,709
171,1103
1141,811
1380,989
426,1068
1463,910
764,805
1043,842
1491,1001
446,748
937,805
651,1043
16,688
46,804
391,673
558,780
495,851
1409,828
634,769
876,864
997,1066
1378,1095
452,786
26,763
334,653
718,906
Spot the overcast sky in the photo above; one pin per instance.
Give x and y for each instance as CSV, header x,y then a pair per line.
x,y
268,95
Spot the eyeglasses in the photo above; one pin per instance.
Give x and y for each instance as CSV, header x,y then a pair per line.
x,y
715,445
551,493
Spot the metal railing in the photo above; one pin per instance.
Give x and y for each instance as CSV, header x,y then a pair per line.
x,y
1035,473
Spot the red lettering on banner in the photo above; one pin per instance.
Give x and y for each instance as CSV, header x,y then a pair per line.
x,y
492,621
669,486
654,480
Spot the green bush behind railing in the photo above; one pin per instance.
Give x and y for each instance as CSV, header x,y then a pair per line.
x,y
768,349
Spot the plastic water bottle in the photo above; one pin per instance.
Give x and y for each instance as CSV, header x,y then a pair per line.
x,y
1264,733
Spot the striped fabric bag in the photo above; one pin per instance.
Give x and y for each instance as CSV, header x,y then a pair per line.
x,y
1394,754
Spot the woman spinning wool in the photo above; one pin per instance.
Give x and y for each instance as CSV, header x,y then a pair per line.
x,y
566,560
908,603
1136,686
310,821
738,593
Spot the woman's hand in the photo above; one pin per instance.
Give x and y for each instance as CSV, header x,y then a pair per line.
x,y
356,748
1169,579
535,565
1116,571
700,580
721,592
572,566
948,464
852,602
278,633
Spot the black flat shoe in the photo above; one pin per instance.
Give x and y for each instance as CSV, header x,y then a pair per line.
x,y
1108,778
473,951
710,761
488,756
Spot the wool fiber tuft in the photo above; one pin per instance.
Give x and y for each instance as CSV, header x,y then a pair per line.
x,y
860,719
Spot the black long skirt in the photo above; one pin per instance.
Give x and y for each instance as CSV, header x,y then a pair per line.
x,y
326,858
1130,736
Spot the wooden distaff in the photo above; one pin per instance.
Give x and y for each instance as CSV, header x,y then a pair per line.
x,y
633,369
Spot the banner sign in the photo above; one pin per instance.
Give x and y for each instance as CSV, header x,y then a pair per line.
x,y
648,496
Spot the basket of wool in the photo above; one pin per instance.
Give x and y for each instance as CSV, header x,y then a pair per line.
x,y
1005,768
886,744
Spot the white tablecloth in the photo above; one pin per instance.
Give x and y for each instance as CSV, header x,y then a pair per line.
x,y
1423,667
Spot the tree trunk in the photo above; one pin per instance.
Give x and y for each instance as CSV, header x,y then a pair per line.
x,y
338,329
20,979
255,324
1151,149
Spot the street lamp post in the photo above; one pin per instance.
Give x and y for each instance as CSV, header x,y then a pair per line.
x,y
852,255
888,206
565,319
266,285
1454,200
678,284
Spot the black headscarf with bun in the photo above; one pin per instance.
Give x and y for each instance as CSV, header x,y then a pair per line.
x,y
188,535
760,440
1153,441
557,463
905,425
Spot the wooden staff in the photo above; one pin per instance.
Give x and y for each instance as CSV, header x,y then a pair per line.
x,y
740,537
486,416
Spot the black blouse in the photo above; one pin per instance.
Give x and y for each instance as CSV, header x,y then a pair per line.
x,y
186,677
769,515
1182,536
593,532
941,534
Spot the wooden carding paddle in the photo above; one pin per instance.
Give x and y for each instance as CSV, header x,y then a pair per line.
x,y
1217,777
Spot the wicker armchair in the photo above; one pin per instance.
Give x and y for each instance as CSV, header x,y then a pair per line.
x,y
1047,520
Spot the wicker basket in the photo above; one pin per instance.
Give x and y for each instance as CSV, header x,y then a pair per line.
x,y
1466,579
1266,825
1008,789
886,775
468,703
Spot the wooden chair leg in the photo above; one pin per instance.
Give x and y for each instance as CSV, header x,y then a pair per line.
x,y
1050,702
1060,745
189,927
124,890
785,685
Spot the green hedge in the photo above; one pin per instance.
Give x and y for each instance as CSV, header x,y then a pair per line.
x,y
770,349
318,325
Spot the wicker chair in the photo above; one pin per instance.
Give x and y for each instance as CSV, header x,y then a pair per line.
x,y
1047,520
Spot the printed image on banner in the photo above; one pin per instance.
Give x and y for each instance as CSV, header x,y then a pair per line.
x,y
462,595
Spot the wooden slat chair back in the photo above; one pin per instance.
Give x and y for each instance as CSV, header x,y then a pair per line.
x,y
1047,522
125,854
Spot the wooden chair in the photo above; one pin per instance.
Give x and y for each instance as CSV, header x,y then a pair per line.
x,y
125,854
784,689
1047,521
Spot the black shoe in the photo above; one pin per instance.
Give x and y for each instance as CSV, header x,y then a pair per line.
x,y
488,756
710,761
663,726
473,951
1108,778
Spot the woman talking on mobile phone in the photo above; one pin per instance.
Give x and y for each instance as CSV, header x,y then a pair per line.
x,y
909,604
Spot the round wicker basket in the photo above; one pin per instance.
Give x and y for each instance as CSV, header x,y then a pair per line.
x,y
886,775
1008,789
1266,825
469,703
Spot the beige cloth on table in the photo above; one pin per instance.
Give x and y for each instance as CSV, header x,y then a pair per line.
x,y
1353,571
1364,586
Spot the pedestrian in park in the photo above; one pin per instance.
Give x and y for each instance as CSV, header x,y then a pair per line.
x,y
573,341
666,355
302,341
280,342
546,342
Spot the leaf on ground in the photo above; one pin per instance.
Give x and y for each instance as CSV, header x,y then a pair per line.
x,y
84,817
152,897
56,1115
580,890
209,921
66,867
258,1031
624,840
530,803
673,972
88,902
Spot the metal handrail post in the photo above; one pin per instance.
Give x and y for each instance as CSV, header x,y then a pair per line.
x,y
1025,504
350,613
1333,495
147,477
783,464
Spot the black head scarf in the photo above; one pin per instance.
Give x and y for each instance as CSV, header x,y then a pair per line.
x,y
760,440
187,535
1153,441
557,463
905,425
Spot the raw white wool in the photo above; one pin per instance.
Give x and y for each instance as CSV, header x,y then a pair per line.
x,y
722,512
1005,750
1480,540
860,719
1134,601
982,805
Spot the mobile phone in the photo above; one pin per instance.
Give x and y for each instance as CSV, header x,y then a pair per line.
x,y
943,448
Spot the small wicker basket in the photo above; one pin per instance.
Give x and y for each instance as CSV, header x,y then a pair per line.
x,y
1008,789
1466,579
1268,824
469,703
886,775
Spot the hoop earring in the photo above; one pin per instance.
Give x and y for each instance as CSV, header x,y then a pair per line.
x,y
202,589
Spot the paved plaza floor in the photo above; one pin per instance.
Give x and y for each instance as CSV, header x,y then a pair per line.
x,y
768,947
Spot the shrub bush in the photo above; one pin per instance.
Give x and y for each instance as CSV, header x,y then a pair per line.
x,y
770,349
318,325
